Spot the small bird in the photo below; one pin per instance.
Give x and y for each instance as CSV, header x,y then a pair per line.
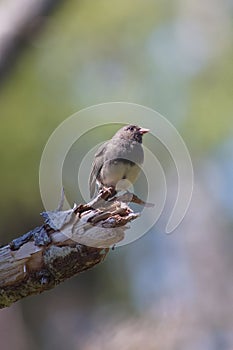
x,y
117,162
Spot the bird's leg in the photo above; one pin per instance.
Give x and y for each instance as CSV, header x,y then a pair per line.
x,y
99,201
110,191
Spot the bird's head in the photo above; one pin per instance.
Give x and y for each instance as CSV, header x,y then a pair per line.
x,y
132,132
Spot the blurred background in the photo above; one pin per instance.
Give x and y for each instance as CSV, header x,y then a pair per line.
x,y
57,57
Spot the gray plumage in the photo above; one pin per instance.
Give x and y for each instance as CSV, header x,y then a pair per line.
x,y
117,162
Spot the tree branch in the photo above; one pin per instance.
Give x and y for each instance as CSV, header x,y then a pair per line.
x,y
69,242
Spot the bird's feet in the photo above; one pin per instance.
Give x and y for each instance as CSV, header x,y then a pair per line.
x,y
108,192
103,196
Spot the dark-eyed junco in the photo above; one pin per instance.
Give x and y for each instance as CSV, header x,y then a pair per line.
x,y
117,162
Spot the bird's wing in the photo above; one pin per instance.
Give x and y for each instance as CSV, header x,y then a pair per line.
x,y
96,167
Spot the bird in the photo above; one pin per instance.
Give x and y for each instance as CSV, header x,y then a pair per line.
x,y
117,163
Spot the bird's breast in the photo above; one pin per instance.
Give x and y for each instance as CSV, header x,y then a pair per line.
x,y
119,173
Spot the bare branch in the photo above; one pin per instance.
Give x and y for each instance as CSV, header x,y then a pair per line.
x,y
69,242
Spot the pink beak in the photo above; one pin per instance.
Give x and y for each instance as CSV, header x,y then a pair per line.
x,y
144,131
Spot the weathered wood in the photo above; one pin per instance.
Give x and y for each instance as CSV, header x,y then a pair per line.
x,y
69,242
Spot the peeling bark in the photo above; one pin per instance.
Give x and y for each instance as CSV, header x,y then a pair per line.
x,y
69,242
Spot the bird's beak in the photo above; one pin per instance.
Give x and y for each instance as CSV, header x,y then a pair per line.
x,y
144,131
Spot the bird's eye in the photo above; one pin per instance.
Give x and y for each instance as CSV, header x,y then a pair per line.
x,y
131,128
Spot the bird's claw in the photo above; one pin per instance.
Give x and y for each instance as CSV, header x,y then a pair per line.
x,y
109,191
